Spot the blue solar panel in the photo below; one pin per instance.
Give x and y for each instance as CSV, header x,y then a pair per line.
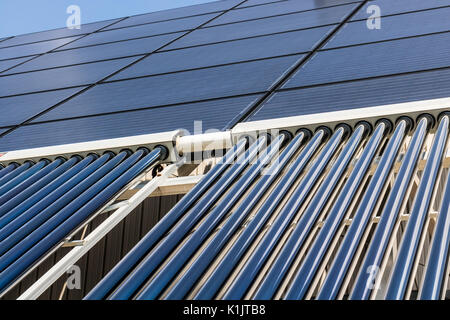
x,y
15,110
177,13
57,33
272,9
388,7
404,25
59,77
96,53
225,81
213,114
32,49
140,31
253,28
227,52
6,64
250,3
372,60
358,94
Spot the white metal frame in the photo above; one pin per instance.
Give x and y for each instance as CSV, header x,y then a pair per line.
x,y
166,139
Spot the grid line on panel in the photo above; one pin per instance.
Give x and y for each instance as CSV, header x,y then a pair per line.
x,y
165,50
176,104
7,38
114,73
124,40
406,8
206,67
268,25
54,49
362,79
165,20
59,49
246,113
203,44
146,30
64,66
394,27
204,26
388,58
281,14
245,38
206,12
78,36
296,52
261,4
384,41
117,20
33,35
175,88
356,94
403,13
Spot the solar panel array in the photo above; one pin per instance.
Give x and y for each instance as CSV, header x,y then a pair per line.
x,y
220,63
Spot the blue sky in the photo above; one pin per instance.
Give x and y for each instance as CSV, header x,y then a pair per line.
x,y
25,16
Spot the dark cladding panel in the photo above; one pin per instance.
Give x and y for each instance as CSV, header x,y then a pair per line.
x,y
57,33
145,30
15,110
373,60
388,7
253,28
212,114
182,87
95,53
227,52
393,27
177,13
32,48
273,9
59,78
358,94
